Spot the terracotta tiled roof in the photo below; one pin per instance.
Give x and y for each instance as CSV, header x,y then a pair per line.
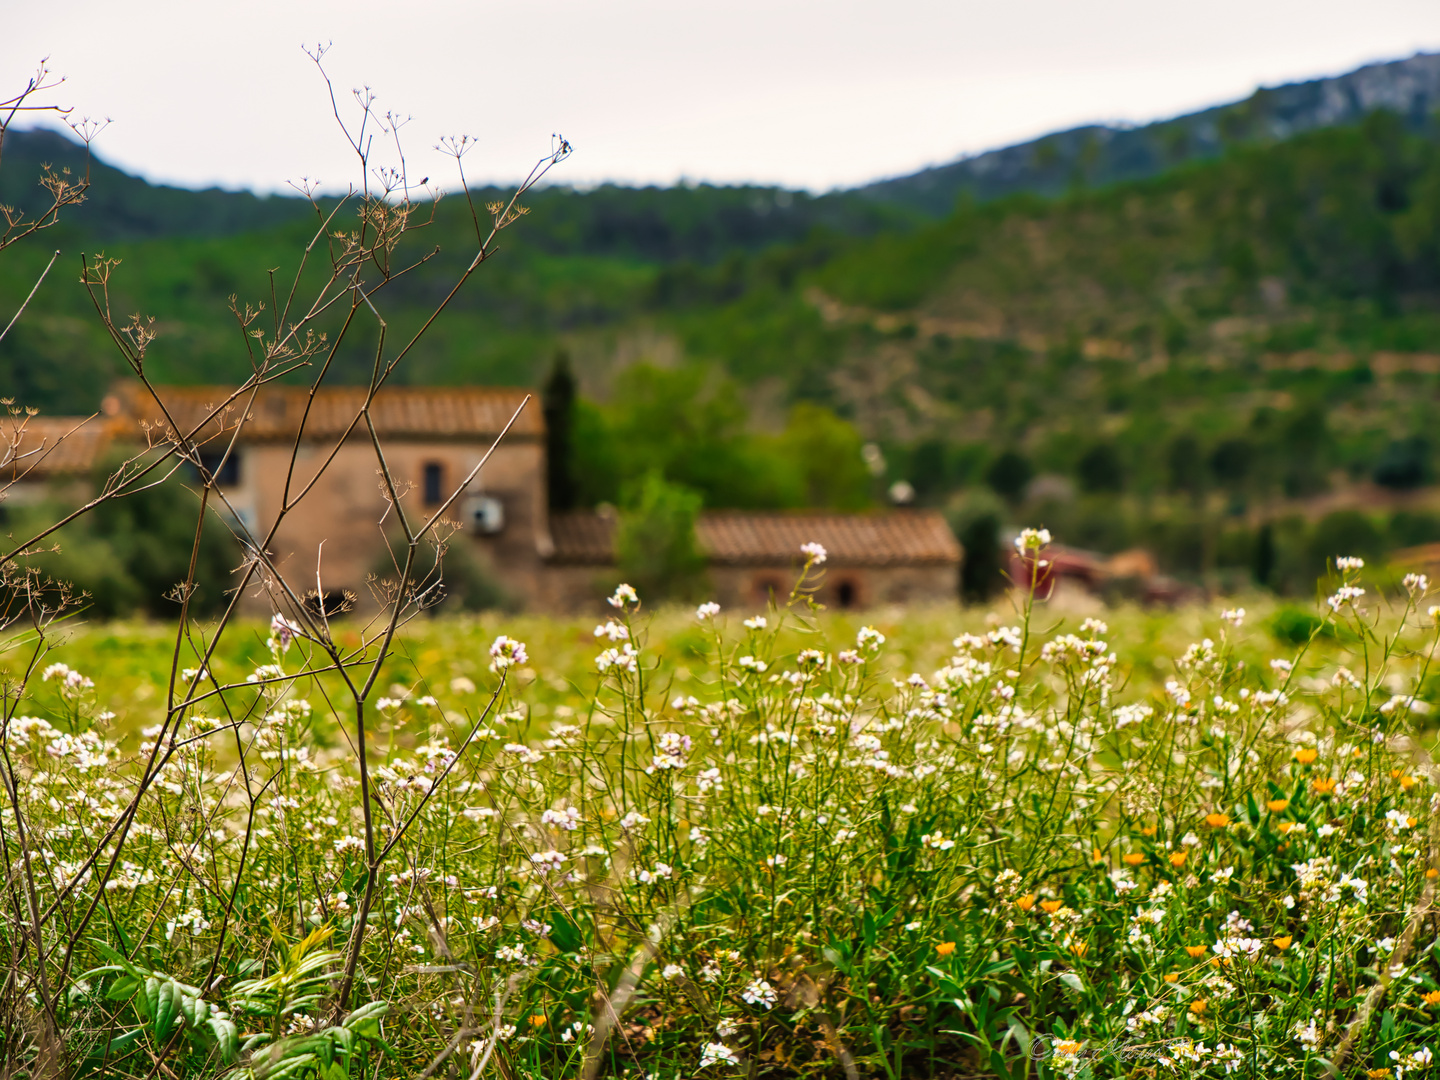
x,y
39,447
738,538
880,539
399,412
583,537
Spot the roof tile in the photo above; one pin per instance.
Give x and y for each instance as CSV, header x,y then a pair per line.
x,y
738,538
397,412
37,447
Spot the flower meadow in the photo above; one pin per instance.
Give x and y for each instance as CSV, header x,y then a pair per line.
x,y
798,860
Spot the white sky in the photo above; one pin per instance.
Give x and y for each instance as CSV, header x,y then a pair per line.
x,y
793,92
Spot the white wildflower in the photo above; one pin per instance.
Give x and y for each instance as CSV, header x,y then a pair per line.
x,y
759,992
506,652
1032,540
622,596
715,1053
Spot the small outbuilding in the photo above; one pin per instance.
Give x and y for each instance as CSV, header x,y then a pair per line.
x,y
884,557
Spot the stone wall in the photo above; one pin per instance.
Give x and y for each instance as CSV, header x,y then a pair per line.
x,y
341,525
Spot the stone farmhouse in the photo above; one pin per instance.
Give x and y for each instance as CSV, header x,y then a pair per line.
x,y
433,438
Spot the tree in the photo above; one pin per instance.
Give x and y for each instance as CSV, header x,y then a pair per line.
x,y
1344,532
1009,474
928,470
1230,461
1187,466
1100,469
982,572
1405,464
1305,443
1263,567
559,409
655,544
826,450
135,552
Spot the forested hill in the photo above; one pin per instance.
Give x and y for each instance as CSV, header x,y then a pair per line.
x,y
124,207
687,222
1264,326
1325,243
1097,155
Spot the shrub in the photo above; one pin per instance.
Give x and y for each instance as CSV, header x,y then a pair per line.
x,y
1101,469
1009,474
130,554
464,578
1293,626
655,541
1405,464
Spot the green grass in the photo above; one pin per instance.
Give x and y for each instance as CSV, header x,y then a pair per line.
x,y
130,659
934,855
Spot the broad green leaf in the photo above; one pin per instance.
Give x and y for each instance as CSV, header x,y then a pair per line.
x,y
152,997
165,1009
226,1037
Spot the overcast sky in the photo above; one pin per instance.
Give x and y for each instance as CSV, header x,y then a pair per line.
x,y
793,92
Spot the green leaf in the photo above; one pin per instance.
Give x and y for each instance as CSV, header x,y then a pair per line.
x,y
110,954
165,1009
366,1019
227,1037
108,969
188,1007
996,968
948,986
151,997
118,1045
253,1041
120,989
1070,979
338,1039
564,933
286,1067
1021,1034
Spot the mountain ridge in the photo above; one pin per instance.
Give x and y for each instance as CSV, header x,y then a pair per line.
x,y
124,206
1094,155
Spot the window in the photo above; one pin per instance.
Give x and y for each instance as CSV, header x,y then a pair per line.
x,y
846,594
226,470
434,483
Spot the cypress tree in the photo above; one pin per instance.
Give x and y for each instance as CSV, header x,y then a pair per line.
x,y
558,398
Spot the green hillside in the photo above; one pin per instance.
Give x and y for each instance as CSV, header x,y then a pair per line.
x,y
581,260
1230,341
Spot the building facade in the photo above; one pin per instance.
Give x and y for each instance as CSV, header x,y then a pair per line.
x,y
300,471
